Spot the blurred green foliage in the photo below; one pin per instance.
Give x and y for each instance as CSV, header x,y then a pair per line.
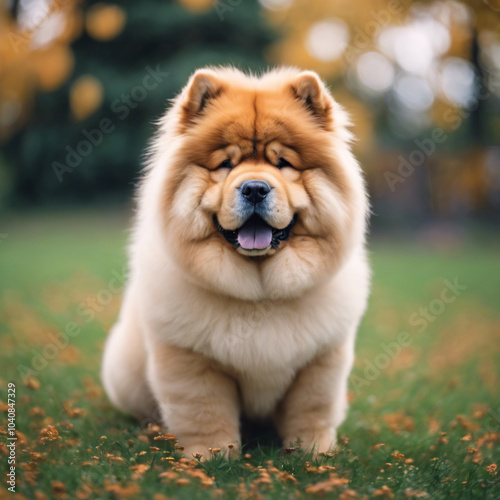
x,y
55,157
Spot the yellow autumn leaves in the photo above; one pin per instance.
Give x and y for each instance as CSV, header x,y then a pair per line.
x,y
37,56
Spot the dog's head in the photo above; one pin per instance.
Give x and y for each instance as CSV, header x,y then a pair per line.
x,y
261,196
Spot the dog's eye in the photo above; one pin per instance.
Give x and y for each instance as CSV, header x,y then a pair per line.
x,y
226,164
283,163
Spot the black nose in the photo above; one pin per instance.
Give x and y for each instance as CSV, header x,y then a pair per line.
x,y
255,191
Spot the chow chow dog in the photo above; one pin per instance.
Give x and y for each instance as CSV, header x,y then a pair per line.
x,y
248,272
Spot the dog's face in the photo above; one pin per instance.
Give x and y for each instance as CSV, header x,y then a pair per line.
x,y
262,197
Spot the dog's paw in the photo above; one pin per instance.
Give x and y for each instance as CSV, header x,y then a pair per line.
x,y
316,443
203,452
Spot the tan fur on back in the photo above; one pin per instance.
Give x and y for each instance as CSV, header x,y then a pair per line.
x,y
208,331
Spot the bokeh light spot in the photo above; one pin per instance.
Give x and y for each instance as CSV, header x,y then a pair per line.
x,y
276,4
105,21
457,81
85,96
328,39
414,93
375,72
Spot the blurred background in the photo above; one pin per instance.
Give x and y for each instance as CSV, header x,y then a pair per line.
x,y
82,82
81,85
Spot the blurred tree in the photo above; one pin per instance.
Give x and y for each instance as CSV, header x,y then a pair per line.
x,y
406,70
368,48
81,86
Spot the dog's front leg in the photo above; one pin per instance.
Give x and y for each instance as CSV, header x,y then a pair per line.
x,y
316,402
198,401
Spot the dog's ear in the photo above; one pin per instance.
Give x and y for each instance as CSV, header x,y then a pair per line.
x,y
203,86
313,94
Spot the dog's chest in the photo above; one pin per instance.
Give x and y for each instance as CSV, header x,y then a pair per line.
x,y
263,354
259,340
263,345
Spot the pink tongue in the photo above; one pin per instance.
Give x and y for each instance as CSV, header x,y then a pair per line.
x,y
255,234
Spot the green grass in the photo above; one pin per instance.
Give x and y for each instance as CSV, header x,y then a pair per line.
x,y
435,407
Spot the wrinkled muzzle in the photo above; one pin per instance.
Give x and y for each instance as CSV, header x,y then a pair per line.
x,y
255,215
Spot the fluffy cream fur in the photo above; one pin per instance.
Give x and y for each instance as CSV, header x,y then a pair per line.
x,y
207,331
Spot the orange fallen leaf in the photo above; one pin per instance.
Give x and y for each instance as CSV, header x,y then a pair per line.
x,y
409,493
492,469
165,437
384,492
119,490
399,422
330,484
58,488
32,383
348,495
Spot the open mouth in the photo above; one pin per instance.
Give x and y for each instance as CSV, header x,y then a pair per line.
x,y
255,234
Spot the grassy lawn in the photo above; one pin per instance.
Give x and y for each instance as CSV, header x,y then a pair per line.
x,y
424,420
